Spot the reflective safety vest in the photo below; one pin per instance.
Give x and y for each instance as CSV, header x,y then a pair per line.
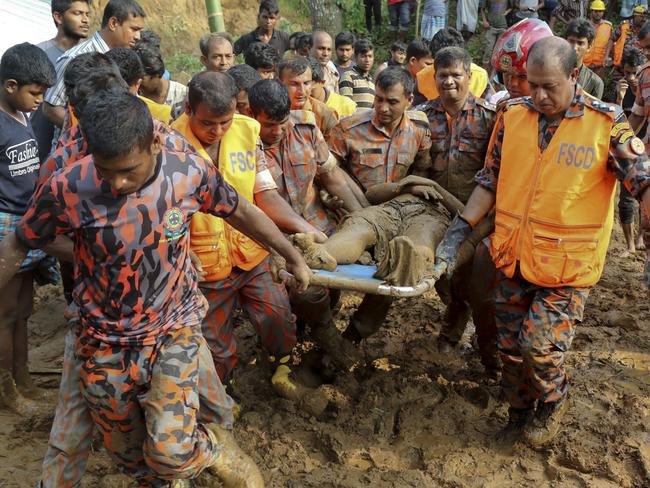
x,y
554,209
619,45
159,111
596,55
219,246
427,82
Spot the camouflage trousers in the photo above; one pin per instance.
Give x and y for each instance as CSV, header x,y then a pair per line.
x,y
535,327
145,403
266,305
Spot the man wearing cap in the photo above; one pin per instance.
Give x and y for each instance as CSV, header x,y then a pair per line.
x,y
598,55
550,172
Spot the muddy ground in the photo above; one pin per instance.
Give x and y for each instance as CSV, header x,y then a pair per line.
x,y
414,417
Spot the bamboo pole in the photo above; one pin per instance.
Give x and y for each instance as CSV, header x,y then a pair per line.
x,y
215,15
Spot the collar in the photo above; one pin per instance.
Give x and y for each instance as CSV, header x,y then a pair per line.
x,y
97,38
360,73
404,124
470,103
273,35
576,109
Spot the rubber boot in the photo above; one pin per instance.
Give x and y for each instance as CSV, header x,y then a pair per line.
x,y
233,467
546,423
456,317
12,399
341,351
518,419
310,400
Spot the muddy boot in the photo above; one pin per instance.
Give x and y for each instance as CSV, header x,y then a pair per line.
x,y
546,423
315,254
285,385
456,317
234,467
518,419
341,351
12,399
368,318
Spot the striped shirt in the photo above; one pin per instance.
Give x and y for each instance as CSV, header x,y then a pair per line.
x,y
358,87
56,94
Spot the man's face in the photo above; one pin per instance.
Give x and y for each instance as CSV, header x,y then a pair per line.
x,y
267,20
452,82
299,87
638,20
127,174
25,98
416,65
128,32
644,44
272,131
597,15
243,106
322,49
550,88
365,60
516,83
266,73
391,103
220,56
75,21
208,127
344,53
581,46
630,76
398,56
318,91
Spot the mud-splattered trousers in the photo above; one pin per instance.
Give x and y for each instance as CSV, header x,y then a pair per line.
x,y
69,445
264,302
535,327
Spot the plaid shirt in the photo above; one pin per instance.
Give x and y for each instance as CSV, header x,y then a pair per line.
x,y
358,87
73,147
326,117
459,144
294,163
373,156
631,169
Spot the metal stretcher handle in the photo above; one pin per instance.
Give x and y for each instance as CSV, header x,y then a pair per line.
x,y
373,287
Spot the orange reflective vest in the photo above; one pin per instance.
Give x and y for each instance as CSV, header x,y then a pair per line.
x,y
218,245
619,45
427,82
554,209
596,55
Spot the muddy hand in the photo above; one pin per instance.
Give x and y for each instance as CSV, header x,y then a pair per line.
x,y
301,275
426,192
412,180
196,263
439,269
447,251
278,264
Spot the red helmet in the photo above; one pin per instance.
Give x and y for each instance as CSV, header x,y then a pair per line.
x,y
511,49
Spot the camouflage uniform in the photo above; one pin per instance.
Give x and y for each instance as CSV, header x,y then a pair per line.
x,y
458,148
535,325
371,156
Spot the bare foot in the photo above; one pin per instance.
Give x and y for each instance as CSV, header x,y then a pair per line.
x,y
315,254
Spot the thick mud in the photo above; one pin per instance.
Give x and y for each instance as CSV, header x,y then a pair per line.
x,y
413,417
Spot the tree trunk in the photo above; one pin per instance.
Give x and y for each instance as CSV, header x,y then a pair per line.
x,y
326,15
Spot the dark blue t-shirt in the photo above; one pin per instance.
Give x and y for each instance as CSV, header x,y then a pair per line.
x,y
19,164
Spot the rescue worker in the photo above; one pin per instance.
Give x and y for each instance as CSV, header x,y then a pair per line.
x,y
551,170
425,86
296,154
627,34
378,146
295,74
236,270
599,53
460,125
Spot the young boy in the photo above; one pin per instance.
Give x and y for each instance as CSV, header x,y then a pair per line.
x,y
262,58
26,73
358,84
129,209
397,57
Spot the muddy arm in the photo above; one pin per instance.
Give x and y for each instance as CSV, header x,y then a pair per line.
x,y
483,229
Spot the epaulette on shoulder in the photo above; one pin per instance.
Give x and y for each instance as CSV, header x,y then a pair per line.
x,y
612,110
511,102
358,118
482,102
303,117
418,118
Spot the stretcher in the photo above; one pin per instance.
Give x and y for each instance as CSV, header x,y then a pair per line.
x,y
359,277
